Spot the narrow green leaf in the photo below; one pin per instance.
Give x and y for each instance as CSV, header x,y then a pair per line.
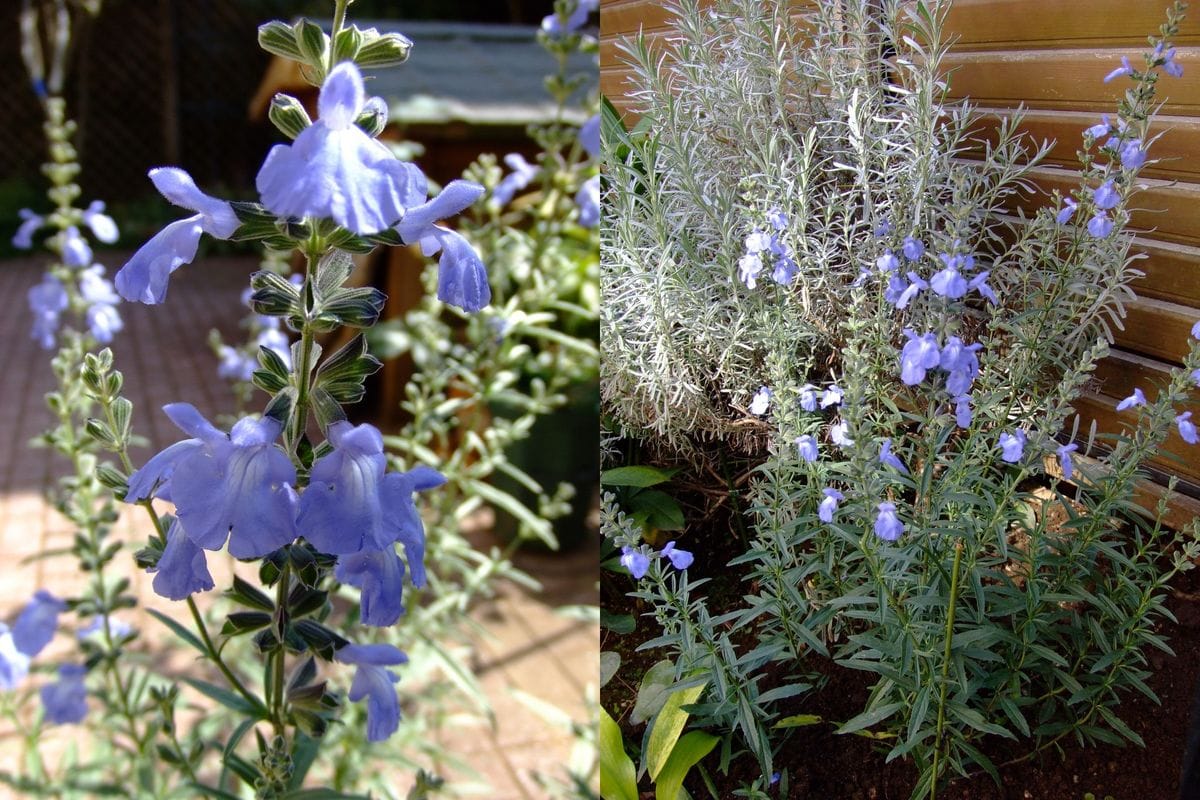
x,y
226,698
179,630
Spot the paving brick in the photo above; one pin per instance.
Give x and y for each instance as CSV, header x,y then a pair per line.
x,y
164,354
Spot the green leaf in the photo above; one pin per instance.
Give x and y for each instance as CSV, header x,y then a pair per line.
x,y
178,630
226,698
249,595
657,509
279,38
313,42
667,727
343,374
610,662
240,622
799,721
618,778
618,623
694,746
637,476
868,718
384,50
653,692
211,791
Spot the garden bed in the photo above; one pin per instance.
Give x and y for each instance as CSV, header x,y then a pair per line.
x,y
823,764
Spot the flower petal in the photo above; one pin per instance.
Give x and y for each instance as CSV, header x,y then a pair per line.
x,y
144,278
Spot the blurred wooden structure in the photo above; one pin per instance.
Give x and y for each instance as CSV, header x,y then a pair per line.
x,y
1051,58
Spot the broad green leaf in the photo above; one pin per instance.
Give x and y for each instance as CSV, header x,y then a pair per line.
x,y
657,510
618,778
693,746
654,691
618,623
636,476
667,727
610,662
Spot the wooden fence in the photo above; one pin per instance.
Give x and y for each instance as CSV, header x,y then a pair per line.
x,y
1051,58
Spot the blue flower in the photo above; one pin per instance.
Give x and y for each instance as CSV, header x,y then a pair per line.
x,y
379,576
334,170
962,411
1196,330
1064,458
883,228
785,271
886,456
808,396
14,665
102,225
1132,154
1169,64
839,434
95,288
65,701
915,286
777,219
1102,128
30,224
521,176
1106,196
887,525
37,623
807,447
979,284
47,300
1135,399
1196,377
920,353
680,559
1012,446
588,200
913,248
103,322
949,282
554,26
235,365
182,568
236,485
635,561
829,506
118,628
462,277
76,252
894,289
374,683
1100,225
589,136
144,278
1124,69
960,362
887,262
1067,211
749,267
351,505
758,242
832,396
1187,428
761,402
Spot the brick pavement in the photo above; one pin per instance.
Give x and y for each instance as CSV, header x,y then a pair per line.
x,y
164,354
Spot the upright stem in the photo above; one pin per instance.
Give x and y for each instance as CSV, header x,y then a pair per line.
x,y
281,594
299,417
941,718
339,21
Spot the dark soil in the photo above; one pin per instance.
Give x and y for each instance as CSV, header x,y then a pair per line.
x,y
821,764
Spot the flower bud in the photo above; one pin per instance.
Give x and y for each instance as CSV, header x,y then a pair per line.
x,y
288,115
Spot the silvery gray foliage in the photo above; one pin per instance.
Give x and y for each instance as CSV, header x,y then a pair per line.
x,y
908,521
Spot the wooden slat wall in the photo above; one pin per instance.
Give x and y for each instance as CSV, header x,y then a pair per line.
x,y
1051,56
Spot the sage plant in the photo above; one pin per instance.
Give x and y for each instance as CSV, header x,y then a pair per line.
x,y
797,227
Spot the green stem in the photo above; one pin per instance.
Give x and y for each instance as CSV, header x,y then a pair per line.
x,y
941,717
215,656
339,21
281,594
